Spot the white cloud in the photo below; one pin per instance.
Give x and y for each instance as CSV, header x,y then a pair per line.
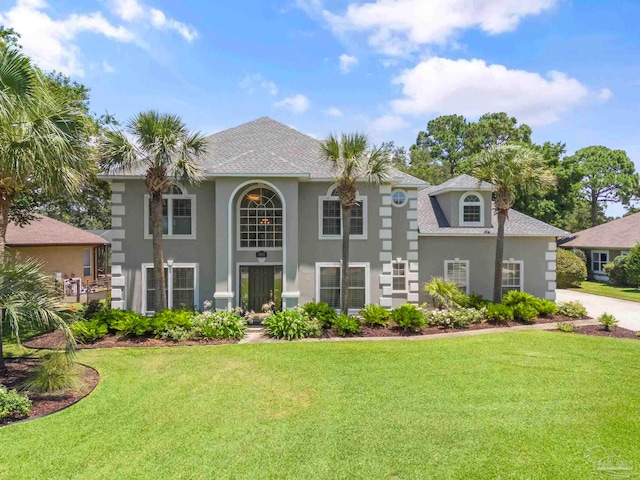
x,y
388,123
162,22
107,67
347,62
128,10
398,27
605,95
297,103
333,112
134,11
255,81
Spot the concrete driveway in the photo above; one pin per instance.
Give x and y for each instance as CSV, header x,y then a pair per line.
x,y
627,313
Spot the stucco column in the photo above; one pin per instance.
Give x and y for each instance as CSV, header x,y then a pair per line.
x,y
223,294
291,293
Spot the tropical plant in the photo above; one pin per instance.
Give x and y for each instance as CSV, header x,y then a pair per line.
x,y
352,160
408,317
13,405
515,297
346,325
28,300
460,318
375,316
475,300
443,293
132,324
573,309
289,324
571,270
321,311
88,331
545,308
498,313
223,324
525,312
169,319
162,146
565,327
608,321
510,168
55,373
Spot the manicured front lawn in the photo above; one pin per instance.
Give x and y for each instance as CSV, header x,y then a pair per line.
x,y
515,405
597,288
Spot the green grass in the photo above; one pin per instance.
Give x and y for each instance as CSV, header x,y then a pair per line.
x,y
597,288
515,405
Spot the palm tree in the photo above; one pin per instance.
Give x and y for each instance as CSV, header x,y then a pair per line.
x,y
510,167
28,300
162,146
352,160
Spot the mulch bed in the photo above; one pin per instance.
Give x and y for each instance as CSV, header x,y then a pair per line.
x,y
599,331
53,340
45,403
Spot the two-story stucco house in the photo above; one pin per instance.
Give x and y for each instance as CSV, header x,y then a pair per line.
x,y
266,223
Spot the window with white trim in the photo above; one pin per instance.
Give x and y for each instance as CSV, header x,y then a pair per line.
x,y
398,197
178,214
457,271
471,209
260,219
180,286
599,258
399,277
86,262
330,284
511,276
331,216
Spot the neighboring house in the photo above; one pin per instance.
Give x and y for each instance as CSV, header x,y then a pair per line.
x,y
65,250
266,223
605,242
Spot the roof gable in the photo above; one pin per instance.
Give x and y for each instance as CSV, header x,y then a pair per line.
x,y
462,182
622,233
45,231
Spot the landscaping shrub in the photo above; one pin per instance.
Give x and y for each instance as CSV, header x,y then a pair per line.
x,y
498,313
170,319
545,308
475,300
375,316
314,328
177,334
632,266
571,270
443,293
54,374
608,321
566,327
110,317
346,325
288,324
88,331
572,309
322,311
524,305
92,308
408,317
13,405
525,312
131,324
515,297
578,252
617,272
224,324
460,318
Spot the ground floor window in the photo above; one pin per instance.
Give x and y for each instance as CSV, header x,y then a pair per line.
x,y
599,258
457,271
86,262
399,277
511,276
180,286
329,284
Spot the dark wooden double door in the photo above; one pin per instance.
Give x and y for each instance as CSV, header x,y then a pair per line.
x,y
261,286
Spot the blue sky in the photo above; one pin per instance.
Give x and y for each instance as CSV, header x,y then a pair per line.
x,y
568,68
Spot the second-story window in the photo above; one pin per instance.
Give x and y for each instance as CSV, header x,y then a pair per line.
x,y
471,210
260,219
178,215
331,217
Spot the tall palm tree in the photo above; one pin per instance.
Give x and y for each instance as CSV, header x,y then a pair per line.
x,y
28,300
162,146
352,160
510,167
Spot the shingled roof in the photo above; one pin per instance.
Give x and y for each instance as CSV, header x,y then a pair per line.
x,y
622,233
265,147
461,183
45,231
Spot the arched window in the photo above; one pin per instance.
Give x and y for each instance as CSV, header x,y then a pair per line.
x,y
330,216
260,219
471,210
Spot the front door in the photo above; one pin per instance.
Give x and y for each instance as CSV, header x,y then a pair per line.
x,y
260,286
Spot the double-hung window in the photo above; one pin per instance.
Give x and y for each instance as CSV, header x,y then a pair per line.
x,y
399,277
599,258
330,213
329,284
178,214
457,271
180,286
511,276
471,210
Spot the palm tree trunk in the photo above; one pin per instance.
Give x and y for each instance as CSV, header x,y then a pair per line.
x,y
5,207
346,232
158,254
497,275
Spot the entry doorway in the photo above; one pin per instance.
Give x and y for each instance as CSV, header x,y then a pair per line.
x,y
259,285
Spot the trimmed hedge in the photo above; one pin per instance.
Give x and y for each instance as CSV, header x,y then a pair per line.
x,y
571,271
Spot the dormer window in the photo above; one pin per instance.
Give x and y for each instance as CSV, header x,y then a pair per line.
x,y
471,210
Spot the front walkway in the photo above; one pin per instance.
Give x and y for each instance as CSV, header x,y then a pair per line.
x,y
627,313
256,335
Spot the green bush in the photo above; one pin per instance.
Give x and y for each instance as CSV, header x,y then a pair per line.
x,y
13,405
322,311
346,325
460,318
223,324
515,297
632,266
55,373
110,317
88,331
408,317
572,309
571,270
545,308
288,324
131,324
566,327
314,328
498,313
92,308
608,321
177,334
475,300
375,315
617,271
443,293
170,319
525,312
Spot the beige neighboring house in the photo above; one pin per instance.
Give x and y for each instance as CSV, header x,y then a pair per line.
x,y
66,250
605,242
